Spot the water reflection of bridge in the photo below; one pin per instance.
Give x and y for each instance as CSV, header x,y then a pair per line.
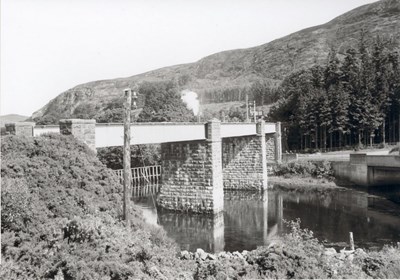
x,y
244,222
251,219
195,231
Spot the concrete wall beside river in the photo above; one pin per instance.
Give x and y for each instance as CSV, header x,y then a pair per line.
x,y
369,170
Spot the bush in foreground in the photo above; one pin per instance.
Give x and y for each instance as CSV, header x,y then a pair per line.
x,y
61,216
298,255
61,212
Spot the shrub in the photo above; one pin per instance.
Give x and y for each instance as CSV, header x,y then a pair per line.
x,y
298,255
61,210
141,155
20,207
316,169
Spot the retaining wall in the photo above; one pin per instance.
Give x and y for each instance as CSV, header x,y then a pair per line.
x,y
369,171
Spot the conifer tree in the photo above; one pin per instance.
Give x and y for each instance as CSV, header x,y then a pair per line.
x,y
352,99
349,79
380,89
368,116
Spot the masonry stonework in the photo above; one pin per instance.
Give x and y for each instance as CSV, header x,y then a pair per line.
x,y
192,174
244,161
83,130
20,128
270,147
278,142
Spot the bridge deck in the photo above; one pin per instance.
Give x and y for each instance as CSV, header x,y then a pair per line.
x,y
112,134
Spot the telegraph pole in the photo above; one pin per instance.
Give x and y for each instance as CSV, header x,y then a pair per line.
x,y
254,111
127,156
247,108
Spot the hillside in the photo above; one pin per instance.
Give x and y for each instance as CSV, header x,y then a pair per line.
x,y
238,69
11,118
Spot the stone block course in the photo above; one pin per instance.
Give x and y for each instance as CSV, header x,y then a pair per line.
x,y
244,162
20,128
83,130
270,147
192,174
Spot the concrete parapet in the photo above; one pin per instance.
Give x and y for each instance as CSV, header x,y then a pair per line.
x,y
20,128
83,130
358,158
383,160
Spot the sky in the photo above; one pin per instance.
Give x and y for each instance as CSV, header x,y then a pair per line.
x,y
50,46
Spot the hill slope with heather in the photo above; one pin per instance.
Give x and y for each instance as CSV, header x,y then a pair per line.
x,y
11,118
239,69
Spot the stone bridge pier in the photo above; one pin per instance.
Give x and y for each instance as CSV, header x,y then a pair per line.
x,y
192,173
244,161
195,173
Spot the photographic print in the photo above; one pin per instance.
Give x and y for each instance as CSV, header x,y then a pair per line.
x,y
224,139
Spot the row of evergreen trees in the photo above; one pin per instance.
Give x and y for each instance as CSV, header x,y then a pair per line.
x,y
264,92
352,100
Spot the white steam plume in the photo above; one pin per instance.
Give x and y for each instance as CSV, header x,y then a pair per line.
x,y
191,100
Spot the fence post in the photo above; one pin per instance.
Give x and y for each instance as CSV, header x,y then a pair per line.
x,y
351,241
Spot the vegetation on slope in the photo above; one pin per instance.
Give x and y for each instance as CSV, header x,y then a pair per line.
x,y
157,102
61,215
163,103
11,118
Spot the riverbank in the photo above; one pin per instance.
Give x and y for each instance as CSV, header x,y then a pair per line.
x,y
301,182
297,255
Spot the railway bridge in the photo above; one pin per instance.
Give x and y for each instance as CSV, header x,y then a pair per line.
x,y
198,160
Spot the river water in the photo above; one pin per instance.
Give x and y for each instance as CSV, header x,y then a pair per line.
x,y
251,219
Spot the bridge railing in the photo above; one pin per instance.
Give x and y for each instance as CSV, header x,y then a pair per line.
x,y
142,175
